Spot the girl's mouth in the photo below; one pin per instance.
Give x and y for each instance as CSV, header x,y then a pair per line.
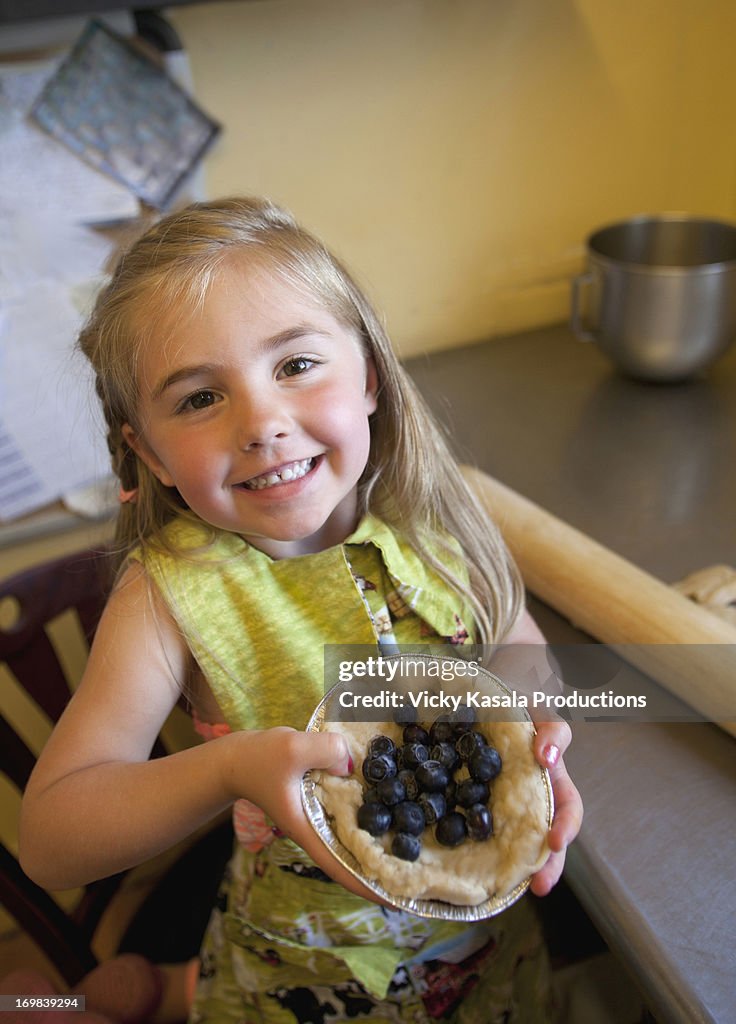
x,y
285,475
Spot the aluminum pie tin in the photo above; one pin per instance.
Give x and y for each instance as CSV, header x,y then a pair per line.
x,y
437,909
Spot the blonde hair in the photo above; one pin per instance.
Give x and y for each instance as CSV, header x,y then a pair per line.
x,y
411,480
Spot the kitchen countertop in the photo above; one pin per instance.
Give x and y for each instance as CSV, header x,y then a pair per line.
x,y
646,470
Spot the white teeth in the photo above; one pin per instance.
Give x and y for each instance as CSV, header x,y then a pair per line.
x,y
293,471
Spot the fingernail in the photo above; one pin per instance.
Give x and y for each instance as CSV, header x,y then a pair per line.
x,y
551,754
350,765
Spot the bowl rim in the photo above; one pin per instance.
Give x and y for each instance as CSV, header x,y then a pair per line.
x,y
642,219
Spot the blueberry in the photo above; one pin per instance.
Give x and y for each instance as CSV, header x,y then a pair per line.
x,y
446,754
479,821
391,791
467,744
413,754
381,745
451,830
405,846
371,796
377,767
450,795
441,731
374,818
411,786
432,776
470,792
485,764
463,720
405,716
408,817
434,807
416,734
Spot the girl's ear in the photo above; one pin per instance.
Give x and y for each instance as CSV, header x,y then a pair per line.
x,y
370,388
146,454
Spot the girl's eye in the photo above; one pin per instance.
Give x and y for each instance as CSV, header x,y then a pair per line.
x,y
296,365
199,400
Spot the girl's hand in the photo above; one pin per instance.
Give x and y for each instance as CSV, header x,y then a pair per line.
x,y
517,665
267,767
272,766
550,743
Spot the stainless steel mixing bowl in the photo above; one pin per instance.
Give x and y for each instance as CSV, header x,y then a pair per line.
x,y
660,294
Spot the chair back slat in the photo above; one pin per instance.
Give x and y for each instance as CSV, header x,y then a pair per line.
x,y
39,672
65,944
18,760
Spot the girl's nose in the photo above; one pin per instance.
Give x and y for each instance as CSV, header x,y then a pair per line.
x,y
260,420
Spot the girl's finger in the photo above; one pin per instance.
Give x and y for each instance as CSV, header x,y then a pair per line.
x,y
568,810
549,875
565,827
326,750
551,741
331,752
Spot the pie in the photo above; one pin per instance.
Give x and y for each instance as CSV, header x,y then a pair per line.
x,y
468,874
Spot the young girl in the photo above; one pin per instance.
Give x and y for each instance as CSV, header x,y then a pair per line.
x,y
283,487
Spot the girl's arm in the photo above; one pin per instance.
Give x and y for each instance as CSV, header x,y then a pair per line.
x,y
95,804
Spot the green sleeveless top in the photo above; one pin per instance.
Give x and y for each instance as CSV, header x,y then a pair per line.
x,y
257,626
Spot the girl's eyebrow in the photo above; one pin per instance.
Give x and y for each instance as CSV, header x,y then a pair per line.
x,y
290,334
183,373
273,342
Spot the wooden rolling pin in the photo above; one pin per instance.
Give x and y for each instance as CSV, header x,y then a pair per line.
x,y
687,649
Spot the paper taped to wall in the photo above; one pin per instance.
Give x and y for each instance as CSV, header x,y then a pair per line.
x,y
36,173
51,435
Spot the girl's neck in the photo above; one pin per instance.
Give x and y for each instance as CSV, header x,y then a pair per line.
x,y
340,524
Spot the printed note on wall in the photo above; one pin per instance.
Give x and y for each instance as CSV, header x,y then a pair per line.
x,y
51,435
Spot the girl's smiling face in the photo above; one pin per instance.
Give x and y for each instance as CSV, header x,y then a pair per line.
x,y
256,409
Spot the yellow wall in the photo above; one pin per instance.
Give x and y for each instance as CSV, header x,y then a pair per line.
x,y
457,152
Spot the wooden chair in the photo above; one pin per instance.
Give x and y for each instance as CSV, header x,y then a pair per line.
x,y
77,585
